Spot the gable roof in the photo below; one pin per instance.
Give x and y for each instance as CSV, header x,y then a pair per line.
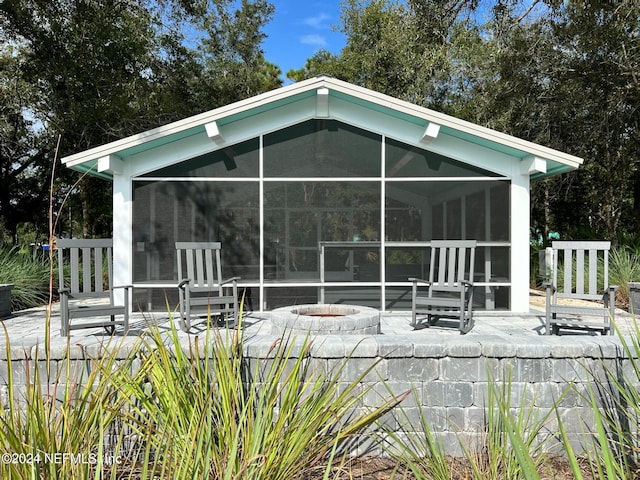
x,y
327,90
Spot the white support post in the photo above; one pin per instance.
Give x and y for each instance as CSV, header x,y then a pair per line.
x,y
520,248
122,232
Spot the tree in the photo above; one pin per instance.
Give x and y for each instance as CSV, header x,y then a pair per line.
x,y
566,77
22,163
104,69
401,49
602,61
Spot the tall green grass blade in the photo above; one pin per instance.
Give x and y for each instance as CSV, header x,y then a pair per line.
x,y
422,453
215,415
568,449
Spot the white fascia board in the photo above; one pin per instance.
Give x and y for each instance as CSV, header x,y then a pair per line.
x,y
329,83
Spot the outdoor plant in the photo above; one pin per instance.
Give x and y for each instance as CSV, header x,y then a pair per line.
x,y
188,410
29,274
624,267
56,428
612,446
421,453
205,412
512,445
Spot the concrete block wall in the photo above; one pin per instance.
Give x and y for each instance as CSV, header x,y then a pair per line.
x,y
448,376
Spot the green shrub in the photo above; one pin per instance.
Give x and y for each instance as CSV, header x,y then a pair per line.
x,y
624,267
208,413
614,395
170,409
511,445
56,427
29,273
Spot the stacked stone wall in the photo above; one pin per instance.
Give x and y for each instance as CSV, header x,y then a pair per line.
x,y
448,376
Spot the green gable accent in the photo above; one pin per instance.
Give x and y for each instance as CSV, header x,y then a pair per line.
x,y
376,107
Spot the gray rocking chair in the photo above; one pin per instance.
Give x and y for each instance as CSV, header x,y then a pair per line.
x,y
571,260
449,290
87,290
202,287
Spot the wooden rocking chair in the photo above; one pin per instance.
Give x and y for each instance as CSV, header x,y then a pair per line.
x,y
202,286
571,260
87,290
449,289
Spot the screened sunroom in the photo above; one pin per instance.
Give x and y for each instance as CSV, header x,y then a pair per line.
x,y
323,192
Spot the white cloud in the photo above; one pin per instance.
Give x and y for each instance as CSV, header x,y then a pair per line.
x,y
319,21
315,40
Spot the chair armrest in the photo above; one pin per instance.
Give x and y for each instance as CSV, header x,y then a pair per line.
x,y
467,283
229,280
419,280
184,283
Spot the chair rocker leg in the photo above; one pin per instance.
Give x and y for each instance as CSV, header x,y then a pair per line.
x,y
111,329
221,321
419,324
466,325
185,323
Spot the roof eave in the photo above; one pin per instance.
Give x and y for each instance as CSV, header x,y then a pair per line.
x,y
569,162
196,121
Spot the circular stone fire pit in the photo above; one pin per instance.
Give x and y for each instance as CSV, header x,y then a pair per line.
x,y
326,319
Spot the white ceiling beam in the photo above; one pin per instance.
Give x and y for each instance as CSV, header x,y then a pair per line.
x,y
322,105
430,133
111,164
532,164
213,132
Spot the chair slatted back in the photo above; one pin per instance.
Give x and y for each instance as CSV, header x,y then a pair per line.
x,y
585,268
452,262
201,263
86,265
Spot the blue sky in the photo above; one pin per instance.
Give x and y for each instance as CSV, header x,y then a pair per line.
x,y
299,29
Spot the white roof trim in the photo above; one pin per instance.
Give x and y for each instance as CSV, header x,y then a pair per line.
x,y
316,83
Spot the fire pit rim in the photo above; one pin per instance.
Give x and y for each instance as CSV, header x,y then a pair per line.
x,y
327,319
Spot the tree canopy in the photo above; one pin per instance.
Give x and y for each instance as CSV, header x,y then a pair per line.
x,y
562,74
92,71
